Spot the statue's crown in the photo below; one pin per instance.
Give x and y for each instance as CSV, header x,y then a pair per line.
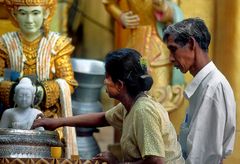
x,y
28,2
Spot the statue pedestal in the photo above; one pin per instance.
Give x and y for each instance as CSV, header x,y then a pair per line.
x,y
15,143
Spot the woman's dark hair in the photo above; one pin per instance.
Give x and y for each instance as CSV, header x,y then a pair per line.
x,y
126,65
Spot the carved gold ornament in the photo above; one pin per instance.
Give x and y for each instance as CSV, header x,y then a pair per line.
x,y
171,97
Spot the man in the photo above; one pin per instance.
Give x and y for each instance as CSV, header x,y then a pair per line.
x,y
208,133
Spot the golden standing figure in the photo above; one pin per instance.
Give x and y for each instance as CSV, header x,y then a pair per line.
x,y
146,20
34,50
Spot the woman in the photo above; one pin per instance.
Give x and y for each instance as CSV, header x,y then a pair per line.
x,y
147,133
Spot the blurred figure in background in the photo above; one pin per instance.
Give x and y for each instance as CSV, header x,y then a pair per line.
x,y
147,20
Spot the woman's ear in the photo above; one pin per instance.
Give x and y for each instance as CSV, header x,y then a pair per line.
x,y
46,13
120,84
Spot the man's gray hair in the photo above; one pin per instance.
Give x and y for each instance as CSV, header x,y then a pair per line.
x,y
184,30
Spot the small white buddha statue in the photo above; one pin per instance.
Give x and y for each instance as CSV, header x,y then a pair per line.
x,y
22,115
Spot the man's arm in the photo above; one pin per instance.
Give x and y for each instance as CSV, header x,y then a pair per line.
x,y
205,139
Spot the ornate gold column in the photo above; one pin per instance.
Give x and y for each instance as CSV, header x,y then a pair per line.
x,y
227,54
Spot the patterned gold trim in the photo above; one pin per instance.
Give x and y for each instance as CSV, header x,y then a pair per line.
x,y
52,93
61,43
27,2
171,97
5,92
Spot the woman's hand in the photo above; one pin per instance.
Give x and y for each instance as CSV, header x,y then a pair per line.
x,y
106,157
47,123
129,20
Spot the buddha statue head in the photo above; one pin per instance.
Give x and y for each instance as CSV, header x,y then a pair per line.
x,y
44,8
24,93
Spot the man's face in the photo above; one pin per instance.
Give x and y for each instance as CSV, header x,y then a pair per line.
x,y
30,18
182,57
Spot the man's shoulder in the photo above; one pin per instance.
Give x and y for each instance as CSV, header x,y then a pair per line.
x,y
216,78
216,83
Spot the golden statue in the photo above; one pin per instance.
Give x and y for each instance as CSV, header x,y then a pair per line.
x,y
36,51
146,20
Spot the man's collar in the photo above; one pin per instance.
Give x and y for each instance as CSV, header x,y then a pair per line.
x,y
196,81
